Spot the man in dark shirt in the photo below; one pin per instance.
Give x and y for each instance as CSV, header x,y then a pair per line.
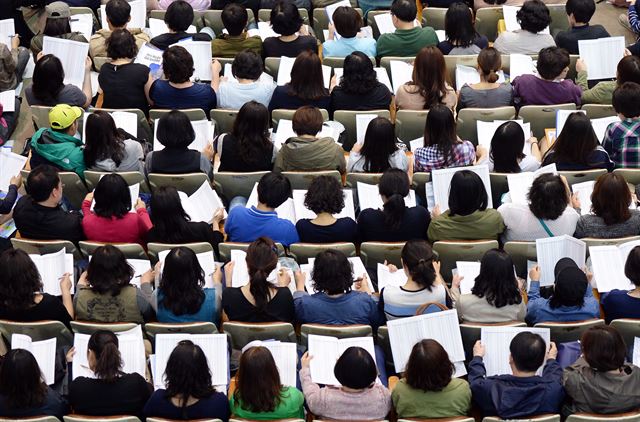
x,y
178,18
579,13
39,215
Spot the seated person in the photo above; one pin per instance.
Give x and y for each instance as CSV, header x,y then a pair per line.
x,y
395,222
347,23
104,292
332,301
468,217
118,17
248,224
189,393
379,151
266,298
294,34
198,5
38,215
524,393
579,13
622,138
235,19
356,371
488,93
249,83
325,198
176,134
258,374
550,85
111,219
359,88
533,17
57,24
600,381
48,87
408,39
13,63
622,303
112,391
23,393
427,388
178,18
572,298
602,93
307,152
9,200
496,294
461,36
505,154
177,91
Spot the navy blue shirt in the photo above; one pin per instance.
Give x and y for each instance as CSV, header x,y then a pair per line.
x,y
282,100
350,308
198,95
343,230
214,406
53,405
618,304
248,224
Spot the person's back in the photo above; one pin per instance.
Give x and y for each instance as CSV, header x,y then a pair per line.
x,y
235,19
126,395
579,13
622,139
118,17
407,39
486,98
533,17
178,18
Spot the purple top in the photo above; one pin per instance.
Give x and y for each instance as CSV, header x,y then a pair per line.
x,y
533,90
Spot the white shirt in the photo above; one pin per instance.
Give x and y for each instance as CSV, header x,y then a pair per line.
x,y
523,225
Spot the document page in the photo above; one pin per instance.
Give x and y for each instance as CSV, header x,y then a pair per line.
x,y
469,271
562,116
520,183
149,56
332,8
52,268
551,249
8,101
387,278
521,64
202,58
369,197
496,341
602,56
601,125
362,123
140,266
285,354
72,54
203,203
327,350
401,73
7,31
44,351
83,24
442,182
584,191
511,20
486,130
10,166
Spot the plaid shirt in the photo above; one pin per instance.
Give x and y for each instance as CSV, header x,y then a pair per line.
x,y
429,158
622,142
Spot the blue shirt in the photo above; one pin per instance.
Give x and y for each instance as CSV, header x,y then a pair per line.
x,y
618,304
233,95
198,95
350,308
538,309
214,406
345,46
207,311
248,224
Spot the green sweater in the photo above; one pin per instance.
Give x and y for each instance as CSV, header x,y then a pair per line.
x,y
406,42
599,94
478,225
291,402
227,46
453,400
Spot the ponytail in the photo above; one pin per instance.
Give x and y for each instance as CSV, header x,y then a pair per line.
x,y
262,259
104,344
417,257
489,63
393,211
492,76
259,288
394,186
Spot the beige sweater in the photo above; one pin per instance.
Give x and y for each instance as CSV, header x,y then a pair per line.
x,y
472,308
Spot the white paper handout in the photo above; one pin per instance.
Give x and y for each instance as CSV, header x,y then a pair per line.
x,y
584,191
327,350
158,27
520,183
401,73
82,23
468,270
496,341
72,54
149,56
284,354
202,204
551,249
469,75
286,65
266,31
203,130
511,20
44,351
369,197
520,64
206,261
140,266
7,31
562,116
442,183
330,9
301,211
636,351
602,56
8,101
385,23
202,57
285,131
130,345
134,192
608,264
52,268
286,210
138,15
10,166
600,125
486,130
362,123
124,120
387,278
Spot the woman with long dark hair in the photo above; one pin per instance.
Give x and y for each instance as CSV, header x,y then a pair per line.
x,y
189,393
266,297
248,147
107,148
496,295
259,393
112,391
461,35
48,87
379,150
395,222
505,153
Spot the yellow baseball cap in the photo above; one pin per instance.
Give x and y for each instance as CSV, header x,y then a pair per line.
x,y
63,115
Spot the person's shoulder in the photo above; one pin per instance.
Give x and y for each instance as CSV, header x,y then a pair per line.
x,y
293,394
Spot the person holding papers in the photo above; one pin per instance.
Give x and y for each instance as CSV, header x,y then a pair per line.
x,y
39,215
408,39
48,87
235,19
549,86
572,298
461,36
610,216
248,224
602,93
533,17
13,62
551,211
111,219
379,151
189,393
505,155
442,147
622,138
58,24
266,297
524,393
107,148
178,18
488,93
307,152
176,133
249,85
104,292
7,203
579,13
427,388
21,294
577,147
601,381
622,303
395,222
306,87
23,393
347,22
118,17
359,88
177,91
111,392
359,396
294,37
259,393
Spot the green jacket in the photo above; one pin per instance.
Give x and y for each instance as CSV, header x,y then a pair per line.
x,y
65,151
310,154
452,400
291,402
227,46
406,42
478,225
602,93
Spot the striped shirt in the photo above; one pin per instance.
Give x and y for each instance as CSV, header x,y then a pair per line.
x,y
399,302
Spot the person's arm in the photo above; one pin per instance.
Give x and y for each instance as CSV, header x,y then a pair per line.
x,y
216,67
217,286
86,85
535,148
632,13
552,369
477,371
65,289
6,204
147,89
313,394
144,222
534,288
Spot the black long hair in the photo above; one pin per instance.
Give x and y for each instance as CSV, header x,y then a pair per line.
x,y
440,131
379,145
506,148
170,221
21,381
182,282
103,140
394,185
104,345
48,79
262,259
497,281
251,131
458,25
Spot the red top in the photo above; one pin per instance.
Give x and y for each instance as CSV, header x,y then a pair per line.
x,y
132,228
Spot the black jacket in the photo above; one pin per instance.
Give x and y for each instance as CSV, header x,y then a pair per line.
x,y
35,221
